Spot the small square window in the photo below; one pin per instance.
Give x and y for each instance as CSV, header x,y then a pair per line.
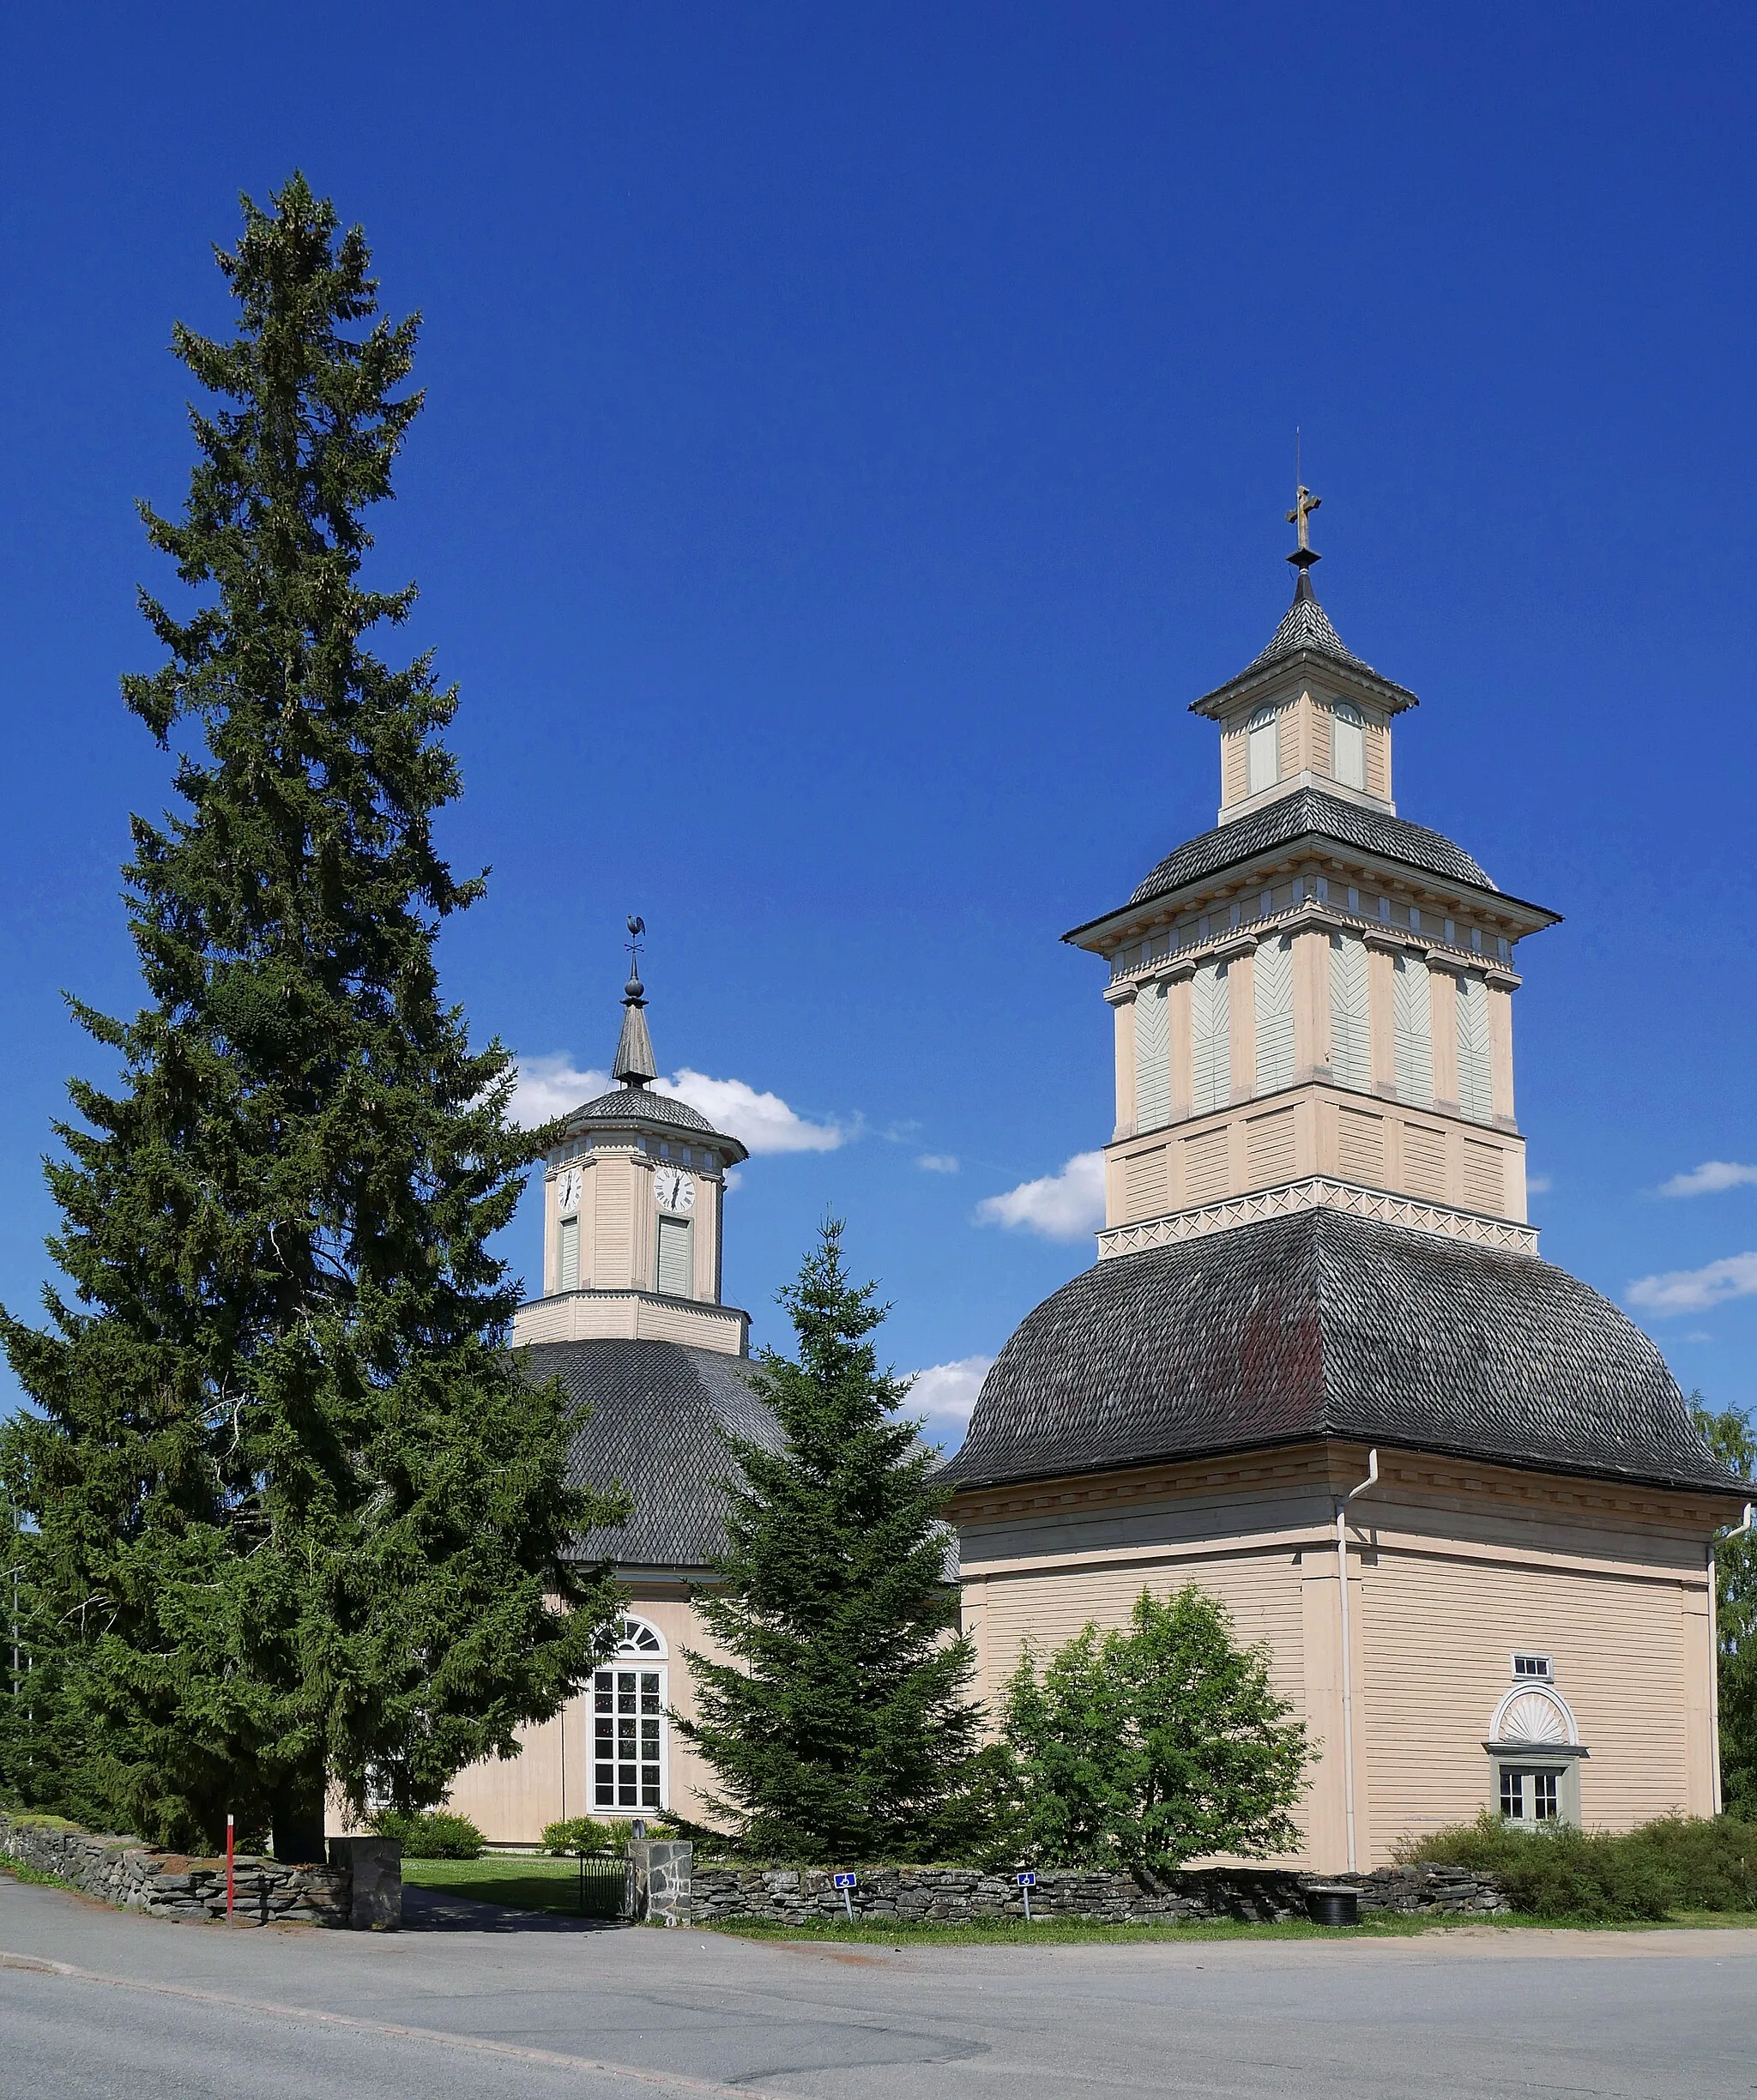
x,y
1534,1666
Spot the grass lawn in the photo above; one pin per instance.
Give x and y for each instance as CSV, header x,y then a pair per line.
x,y
527,1883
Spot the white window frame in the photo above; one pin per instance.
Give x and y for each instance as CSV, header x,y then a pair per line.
x,y
1347,745
1262,750
640,1651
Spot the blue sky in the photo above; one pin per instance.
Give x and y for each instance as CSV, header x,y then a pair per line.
x,y
853,438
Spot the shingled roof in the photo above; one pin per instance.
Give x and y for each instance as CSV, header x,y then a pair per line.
x,y
641,1105
660,1413
1311,813
1308,813
1325,1325
1305,631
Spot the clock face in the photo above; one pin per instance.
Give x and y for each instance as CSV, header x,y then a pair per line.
x,y
675,1190
567,1197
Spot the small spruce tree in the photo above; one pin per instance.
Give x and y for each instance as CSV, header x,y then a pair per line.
x,y
296,1517
1161,1742
840,1731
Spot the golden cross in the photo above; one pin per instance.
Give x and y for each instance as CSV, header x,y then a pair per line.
x,y
1304,502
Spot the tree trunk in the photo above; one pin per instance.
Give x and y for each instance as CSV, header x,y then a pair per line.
x,y
298,1829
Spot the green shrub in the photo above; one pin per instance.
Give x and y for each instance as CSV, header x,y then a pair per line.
x,y
1711,1861
582,1834
1676,1863
434,1834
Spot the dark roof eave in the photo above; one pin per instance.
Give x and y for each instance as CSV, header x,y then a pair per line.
x,y
1398,698
1541,914
1727,1484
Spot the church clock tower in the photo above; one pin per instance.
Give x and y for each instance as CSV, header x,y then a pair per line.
x,y
633,1202
1313,1001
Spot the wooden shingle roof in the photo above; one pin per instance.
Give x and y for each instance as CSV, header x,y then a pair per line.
x,y
1325,1325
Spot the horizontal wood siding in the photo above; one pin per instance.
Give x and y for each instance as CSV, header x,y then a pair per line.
x,y
1145,1189
1438,1636
1485,1179
1361,1146
1270,1148
1204,1163
1424,1162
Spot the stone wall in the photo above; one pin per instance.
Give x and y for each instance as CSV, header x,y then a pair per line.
x,y
135,1877
798,1896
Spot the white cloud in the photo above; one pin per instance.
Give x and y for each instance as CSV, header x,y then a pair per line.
x,y
762,1122
950,1390
1061,1206
1695,1290
549,1086
937,1162
1709,1179
1539,1185
1699,1337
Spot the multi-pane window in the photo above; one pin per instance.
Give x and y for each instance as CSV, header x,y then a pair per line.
x,y
1412,1028
1274,990
1350,1025
1533,1666
1263,748
1211,1038
1347,745
1529,1796
628,1743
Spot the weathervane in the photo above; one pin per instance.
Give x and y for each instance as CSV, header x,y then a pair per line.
x,y
633,990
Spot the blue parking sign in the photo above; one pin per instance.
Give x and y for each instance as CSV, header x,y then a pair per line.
x,y
1026,1880
847,1881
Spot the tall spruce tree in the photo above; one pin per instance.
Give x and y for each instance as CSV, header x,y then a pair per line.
x,y
296,1516
840,1731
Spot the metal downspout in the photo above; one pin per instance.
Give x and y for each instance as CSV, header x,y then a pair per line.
x,y
1348,1665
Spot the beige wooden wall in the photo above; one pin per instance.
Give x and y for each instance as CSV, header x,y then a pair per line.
x,y
1451,1569
510,1801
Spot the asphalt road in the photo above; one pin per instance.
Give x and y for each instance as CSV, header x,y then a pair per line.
x,y
97,2002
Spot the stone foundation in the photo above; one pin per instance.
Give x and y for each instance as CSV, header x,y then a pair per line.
x,y
801,1896
136,1877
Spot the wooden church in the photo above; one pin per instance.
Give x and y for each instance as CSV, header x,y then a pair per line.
x,y
1318,1367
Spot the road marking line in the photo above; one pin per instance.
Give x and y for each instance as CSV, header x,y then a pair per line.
x,y
672,2081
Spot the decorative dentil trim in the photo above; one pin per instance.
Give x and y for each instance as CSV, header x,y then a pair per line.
x,y
1319,1192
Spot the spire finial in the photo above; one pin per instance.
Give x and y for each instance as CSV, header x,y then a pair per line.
x,y
632,990
1303,556
634,1065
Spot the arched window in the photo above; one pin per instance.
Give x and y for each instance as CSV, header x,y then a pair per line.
x,y
1262,743
1347,745
628,1723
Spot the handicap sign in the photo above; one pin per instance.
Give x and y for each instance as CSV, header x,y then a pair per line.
x,y
1026,1880
846,1882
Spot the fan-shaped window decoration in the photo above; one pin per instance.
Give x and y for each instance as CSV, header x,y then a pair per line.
x,y
1530,1714
1262,745
634,1637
